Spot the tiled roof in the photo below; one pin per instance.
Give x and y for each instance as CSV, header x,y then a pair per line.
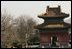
x,y
65,25
53,12
54,15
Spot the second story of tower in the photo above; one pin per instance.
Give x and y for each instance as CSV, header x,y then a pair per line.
x,y
53,12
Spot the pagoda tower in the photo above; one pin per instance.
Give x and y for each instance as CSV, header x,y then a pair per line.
x,y
54,31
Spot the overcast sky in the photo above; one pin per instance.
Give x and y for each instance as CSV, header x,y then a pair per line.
x,y
33,8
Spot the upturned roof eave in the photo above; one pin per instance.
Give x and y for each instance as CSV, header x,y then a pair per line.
x,y
54,16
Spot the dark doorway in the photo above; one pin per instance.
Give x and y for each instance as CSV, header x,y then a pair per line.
x,y
53,41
